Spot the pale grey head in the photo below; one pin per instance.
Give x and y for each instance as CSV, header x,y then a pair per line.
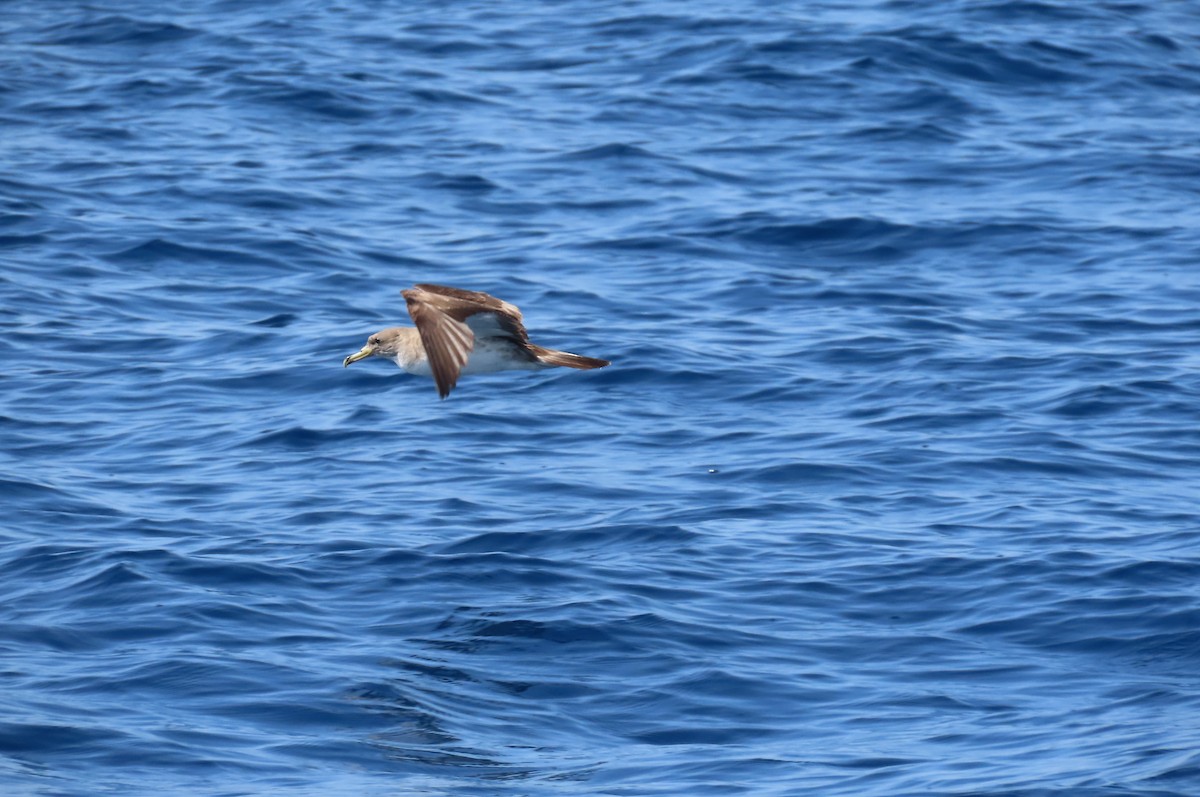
x,y
392,343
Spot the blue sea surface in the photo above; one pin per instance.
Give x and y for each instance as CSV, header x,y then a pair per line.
x,y
891,489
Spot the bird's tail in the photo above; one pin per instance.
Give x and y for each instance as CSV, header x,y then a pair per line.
x,y
554,357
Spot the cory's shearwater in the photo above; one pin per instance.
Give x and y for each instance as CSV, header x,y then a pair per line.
x,y
463,332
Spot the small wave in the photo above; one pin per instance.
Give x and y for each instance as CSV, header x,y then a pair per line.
x,y
117,29
322,102
611,152
300,438
940,53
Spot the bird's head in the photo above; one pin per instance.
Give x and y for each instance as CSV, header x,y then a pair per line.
x,y
385,343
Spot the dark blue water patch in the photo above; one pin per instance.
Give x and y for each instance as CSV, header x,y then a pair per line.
x,y
947,54
1033,11
17,738
461,183
873,240
265,200
52,500
620,153
594,539
933,101
432,46
539,64
158,250
1096,401
277,321
434,97
911,133
115,29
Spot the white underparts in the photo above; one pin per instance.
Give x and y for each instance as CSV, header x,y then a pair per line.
x,y
488,356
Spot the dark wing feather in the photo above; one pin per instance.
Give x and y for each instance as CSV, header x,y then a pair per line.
x,y
448,341
449,320
485,314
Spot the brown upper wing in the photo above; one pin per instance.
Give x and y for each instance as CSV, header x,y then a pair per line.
x,y
448,320
499,317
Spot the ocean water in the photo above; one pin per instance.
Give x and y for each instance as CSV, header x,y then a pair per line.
x,y
891,488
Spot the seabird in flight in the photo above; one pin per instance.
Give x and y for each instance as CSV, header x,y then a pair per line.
x,y
463,332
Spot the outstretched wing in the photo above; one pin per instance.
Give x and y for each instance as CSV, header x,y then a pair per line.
x,y
449,319
485,314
